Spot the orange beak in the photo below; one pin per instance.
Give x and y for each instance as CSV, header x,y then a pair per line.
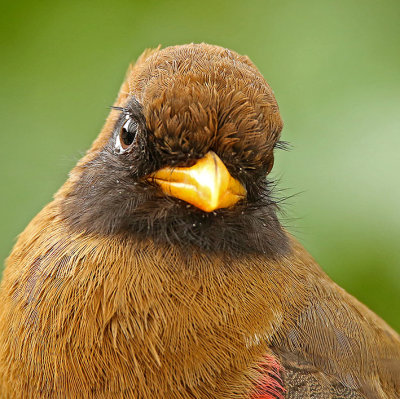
x,y
207,184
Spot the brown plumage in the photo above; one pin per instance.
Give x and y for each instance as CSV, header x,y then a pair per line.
x,y
118,289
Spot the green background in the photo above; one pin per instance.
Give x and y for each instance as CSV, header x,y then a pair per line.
x,y
335,69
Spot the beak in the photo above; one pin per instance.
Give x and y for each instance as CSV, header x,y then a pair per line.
x,y
207,184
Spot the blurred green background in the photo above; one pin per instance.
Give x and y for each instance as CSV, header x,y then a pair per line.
x,y
335,69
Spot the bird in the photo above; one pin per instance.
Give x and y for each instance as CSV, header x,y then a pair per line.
x,y
161,268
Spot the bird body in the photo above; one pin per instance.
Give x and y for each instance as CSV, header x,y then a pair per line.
x,y
136,282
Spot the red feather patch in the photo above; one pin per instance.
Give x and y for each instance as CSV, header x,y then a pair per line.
x,y
270,385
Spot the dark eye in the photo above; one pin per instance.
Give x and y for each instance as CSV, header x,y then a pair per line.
x,y
126,136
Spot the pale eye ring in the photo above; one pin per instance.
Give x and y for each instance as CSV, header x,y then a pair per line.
x,y
126,135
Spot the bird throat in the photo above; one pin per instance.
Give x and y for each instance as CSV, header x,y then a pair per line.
x,y
110,204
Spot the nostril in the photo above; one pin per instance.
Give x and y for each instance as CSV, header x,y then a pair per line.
x,y
190,162
187,163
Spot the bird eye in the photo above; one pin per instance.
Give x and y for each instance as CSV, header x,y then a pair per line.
x,y
126,136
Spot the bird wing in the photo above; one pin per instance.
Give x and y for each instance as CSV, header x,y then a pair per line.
x,y
338,347
285,375
303,380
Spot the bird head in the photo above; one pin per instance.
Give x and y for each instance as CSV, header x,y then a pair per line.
x,y
184,156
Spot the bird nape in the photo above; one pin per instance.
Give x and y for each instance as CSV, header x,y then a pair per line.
x,y
161,269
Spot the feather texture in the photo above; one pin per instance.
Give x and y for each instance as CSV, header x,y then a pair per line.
x,y
270,385
115,291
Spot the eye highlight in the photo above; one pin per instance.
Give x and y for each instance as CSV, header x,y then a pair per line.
x,y
126,135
